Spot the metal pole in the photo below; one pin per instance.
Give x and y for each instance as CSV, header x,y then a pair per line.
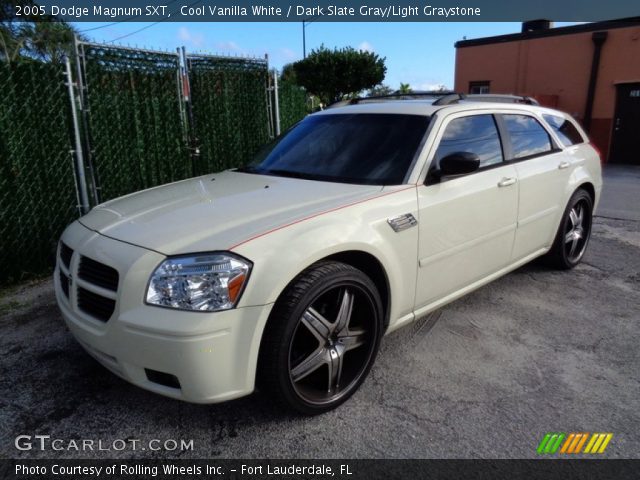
x,y
82,181
304,41
276,101
181,99
269,100
194,146
84,109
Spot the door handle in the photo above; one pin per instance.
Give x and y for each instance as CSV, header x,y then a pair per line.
x,y
563,165
505,182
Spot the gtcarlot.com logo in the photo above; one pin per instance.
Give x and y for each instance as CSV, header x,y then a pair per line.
x,y
573,443
45,442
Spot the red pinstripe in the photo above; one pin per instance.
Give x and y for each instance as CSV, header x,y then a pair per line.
x,y
317,215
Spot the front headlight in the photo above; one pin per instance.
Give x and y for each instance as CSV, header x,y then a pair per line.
x,y
206,282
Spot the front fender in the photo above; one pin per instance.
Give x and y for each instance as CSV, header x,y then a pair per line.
x,y
279,256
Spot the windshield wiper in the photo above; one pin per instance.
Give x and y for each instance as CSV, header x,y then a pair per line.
x,y
303,176
288,173
275,172
247,169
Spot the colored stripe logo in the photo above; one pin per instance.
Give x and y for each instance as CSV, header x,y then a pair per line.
x,y
572,443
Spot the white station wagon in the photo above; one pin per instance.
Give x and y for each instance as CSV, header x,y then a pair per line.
x,y
286,273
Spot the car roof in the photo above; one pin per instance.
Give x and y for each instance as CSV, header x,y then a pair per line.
x,y
427,108
409,107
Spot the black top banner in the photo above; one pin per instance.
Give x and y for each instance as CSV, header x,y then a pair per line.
x,y
327,11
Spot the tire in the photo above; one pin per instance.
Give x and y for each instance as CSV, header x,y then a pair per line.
x,y
573,232
321,339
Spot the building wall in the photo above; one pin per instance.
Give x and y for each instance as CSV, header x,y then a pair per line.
x,y
556,71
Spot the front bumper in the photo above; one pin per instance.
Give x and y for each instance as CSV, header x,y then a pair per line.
x,y
213,355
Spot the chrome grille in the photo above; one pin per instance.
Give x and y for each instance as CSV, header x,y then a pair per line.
x,y
87,284
64,283
65,255
95,305
98,274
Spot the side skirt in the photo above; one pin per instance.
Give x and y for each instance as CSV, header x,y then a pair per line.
x,y
420,312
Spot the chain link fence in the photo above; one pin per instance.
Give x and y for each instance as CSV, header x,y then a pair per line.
x,y
293,104
137,135
37,187
230,113
145,118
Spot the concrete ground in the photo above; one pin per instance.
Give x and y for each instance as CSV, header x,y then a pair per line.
x,y
621,193
486,377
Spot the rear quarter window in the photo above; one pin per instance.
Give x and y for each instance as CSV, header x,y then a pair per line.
x,y
528,137
565,129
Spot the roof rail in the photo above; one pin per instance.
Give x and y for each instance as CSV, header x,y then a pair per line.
x,y
486,97
391,96
449,99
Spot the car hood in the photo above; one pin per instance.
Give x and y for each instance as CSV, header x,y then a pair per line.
x,y
216,212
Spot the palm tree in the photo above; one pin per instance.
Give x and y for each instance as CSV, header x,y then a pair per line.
x,y
46,40
10,41
405,88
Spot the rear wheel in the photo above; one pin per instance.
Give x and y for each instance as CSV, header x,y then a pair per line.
x,y
573,233
322,338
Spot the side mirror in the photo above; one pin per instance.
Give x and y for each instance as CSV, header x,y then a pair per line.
x,y
458,163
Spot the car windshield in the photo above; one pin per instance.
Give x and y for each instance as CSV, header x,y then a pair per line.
x,y
374,149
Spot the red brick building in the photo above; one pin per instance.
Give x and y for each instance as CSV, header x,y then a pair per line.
x,y
590,70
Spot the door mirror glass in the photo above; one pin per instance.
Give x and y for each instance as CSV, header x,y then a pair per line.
x,y
459,163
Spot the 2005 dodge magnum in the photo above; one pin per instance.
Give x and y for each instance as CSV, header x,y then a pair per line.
x,y
286,273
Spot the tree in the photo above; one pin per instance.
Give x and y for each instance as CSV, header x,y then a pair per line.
x,y
48,41
289,74
335,74
43,38
10,40
405,88
380,91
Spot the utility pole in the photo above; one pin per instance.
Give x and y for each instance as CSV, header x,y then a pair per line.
x,y
304,35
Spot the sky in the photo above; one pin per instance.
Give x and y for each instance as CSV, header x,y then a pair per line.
x,y
421,54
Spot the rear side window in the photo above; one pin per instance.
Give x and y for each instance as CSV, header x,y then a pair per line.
x,y
565,129
527,136
475,134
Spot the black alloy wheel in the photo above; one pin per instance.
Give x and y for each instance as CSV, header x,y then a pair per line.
x,y
322,338
573,233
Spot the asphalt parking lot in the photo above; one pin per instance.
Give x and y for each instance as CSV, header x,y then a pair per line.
x,y
486,377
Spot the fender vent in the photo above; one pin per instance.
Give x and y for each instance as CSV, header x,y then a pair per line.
x,y
402,222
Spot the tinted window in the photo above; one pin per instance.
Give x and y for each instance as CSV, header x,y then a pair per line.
x,y
566,130
353,148
528,137
476,134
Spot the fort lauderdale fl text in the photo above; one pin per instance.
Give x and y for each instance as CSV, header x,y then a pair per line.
x,y
258,10
125,469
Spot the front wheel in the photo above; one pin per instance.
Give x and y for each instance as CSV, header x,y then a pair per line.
x,y
573,233
322,338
